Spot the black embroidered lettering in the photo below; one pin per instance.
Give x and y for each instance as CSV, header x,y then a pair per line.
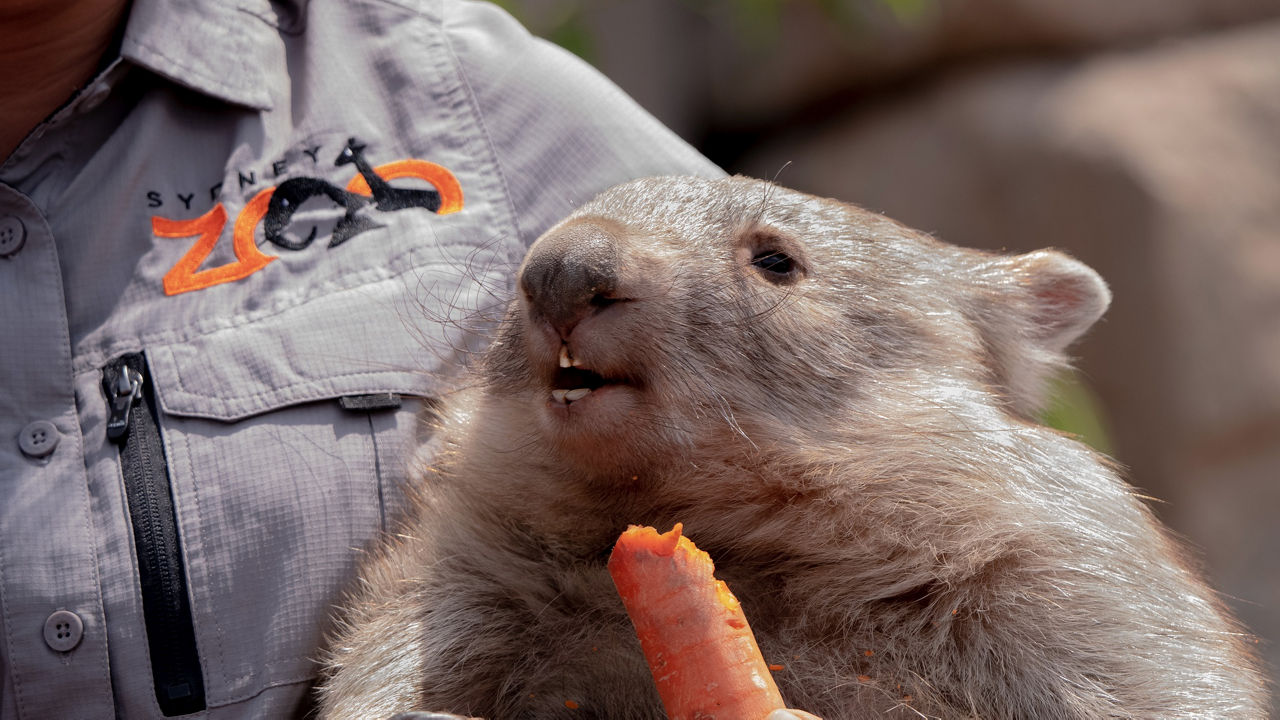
x,y
153,199
186,199
277,167
293,193
214,192
385,196
249,180
313,153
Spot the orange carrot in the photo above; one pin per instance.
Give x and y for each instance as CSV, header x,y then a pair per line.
x,y
700,649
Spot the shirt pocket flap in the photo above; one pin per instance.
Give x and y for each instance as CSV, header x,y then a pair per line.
x,y
362,341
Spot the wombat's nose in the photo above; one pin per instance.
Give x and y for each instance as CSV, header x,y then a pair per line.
x,y
570,274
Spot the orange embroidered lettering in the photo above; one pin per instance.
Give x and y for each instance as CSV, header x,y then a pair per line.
x,y
186,275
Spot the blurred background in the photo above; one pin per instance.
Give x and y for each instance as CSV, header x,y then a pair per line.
x,y
1141,136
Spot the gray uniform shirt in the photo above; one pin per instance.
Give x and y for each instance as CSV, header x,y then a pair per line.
x,y
288,222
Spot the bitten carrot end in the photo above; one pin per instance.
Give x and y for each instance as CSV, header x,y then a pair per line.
x,y
699,647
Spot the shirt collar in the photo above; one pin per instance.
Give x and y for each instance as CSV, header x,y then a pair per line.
x,y
215,47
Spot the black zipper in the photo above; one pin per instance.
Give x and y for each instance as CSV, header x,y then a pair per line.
x,y
166,607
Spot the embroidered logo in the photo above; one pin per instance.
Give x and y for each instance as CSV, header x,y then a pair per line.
x,y
368,193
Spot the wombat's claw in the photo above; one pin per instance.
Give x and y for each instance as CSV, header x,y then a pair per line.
x,y
417,715
791,715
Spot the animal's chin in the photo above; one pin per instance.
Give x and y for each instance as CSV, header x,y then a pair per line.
x,y
583,403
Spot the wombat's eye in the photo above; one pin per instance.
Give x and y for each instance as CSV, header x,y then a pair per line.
x,y
775,262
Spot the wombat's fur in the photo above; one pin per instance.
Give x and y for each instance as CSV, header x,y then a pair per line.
x,y
838,409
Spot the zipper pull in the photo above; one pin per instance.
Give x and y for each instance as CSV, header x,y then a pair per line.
x,y
123,394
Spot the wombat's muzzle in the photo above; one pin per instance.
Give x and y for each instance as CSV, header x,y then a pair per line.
x,y
569,274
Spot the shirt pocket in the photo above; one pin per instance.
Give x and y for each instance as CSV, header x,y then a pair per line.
x,y
278,485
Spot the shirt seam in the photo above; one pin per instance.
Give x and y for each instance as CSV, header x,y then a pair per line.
x,y
474,104
215,88
305,677
8,639
377,472
92,536
218,631
191,76
414,7
274,390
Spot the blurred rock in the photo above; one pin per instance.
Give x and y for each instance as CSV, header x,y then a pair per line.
x,y
872,45
1160,166
717,66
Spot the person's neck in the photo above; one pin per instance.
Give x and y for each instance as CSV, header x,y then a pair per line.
x,y
49,50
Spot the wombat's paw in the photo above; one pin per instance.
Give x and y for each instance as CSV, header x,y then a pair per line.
x,y
791,715
417,715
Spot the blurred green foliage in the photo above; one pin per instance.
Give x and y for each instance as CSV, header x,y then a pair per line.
x,y
909,11
563,22
1074,408
756,22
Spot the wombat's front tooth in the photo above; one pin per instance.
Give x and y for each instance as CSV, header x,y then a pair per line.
x,y
559,395
576,394
565,361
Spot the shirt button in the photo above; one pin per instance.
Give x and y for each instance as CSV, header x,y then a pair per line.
x,y
63,630
12,235
38,439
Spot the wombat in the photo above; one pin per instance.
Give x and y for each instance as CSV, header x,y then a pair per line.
x,y
840,410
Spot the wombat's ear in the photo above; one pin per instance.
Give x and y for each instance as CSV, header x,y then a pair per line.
x,y
1048,301
1067,296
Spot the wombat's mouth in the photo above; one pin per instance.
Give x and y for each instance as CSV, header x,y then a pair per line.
x,y
575,383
